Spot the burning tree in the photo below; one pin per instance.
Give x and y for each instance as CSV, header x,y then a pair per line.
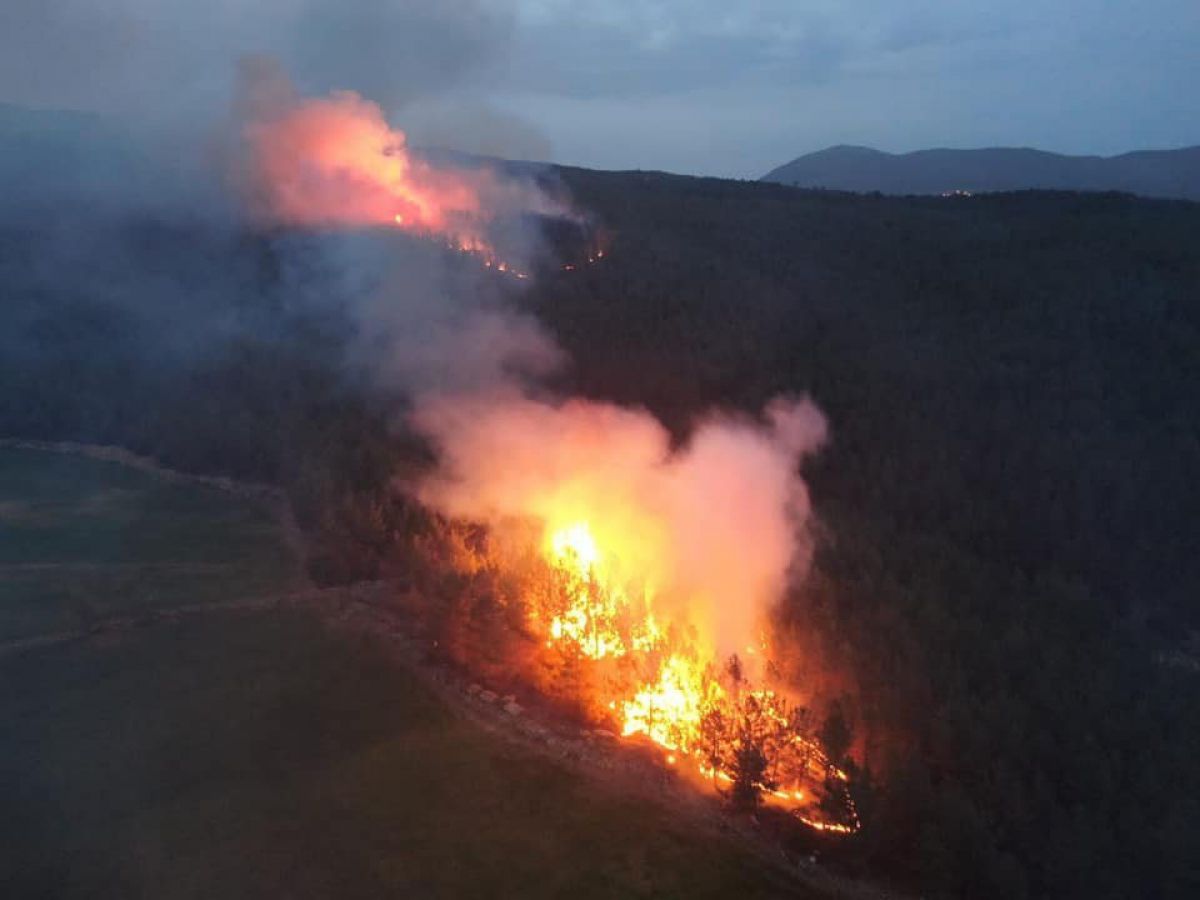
x,y
603,646
643,573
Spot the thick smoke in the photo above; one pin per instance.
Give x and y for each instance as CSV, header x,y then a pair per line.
x,y
118,152
717,526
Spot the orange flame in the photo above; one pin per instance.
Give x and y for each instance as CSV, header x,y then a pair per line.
x,y
649,567
666,686
336,162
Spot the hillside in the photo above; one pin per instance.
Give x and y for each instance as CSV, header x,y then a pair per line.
x,y
1151,173
1006,573
175,736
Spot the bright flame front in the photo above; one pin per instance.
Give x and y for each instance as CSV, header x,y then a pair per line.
x,y
665,685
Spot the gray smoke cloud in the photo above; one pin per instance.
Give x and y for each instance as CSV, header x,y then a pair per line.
x,y
165,71
118,113
414,316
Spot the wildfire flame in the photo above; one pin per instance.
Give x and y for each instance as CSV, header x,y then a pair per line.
x,y
645,573
671,693
335,161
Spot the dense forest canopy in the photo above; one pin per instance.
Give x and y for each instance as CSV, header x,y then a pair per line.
x,y
1007,572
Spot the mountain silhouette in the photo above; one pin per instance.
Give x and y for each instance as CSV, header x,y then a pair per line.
x,y
1152,173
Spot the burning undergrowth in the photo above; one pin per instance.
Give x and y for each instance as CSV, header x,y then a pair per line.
x,y
634,581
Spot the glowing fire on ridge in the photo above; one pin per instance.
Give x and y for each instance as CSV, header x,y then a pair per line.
x,y
335,161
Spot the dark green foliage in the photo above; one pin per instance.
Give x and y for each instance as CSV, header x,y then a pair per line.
x,y
1007,568
749,769
1009,550
836,734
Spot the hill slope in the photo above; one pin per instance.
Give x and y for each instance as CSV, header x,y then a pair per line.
x,y
1005,577
1153,173
256,753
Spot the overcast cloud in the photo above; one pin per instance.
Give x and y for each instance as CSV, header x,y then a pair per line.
x,y
696,86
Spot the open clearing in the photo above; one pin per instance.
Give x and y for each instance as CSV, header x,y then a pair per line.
x,y
258,754
82,540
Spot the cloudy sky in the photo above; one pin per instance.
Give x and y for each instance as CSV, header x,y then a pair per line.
x,y
702,86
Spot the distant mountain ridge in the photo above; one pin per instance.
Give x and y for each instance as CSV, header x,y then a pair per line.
x,y
1152,173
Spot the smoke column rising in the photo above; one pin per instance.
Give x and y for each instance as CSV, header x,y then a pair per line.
x,y
718,526
715,528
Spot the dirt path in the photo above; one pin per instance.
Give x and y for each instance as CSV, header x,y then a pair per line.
x,y
107,453
272,497
118,624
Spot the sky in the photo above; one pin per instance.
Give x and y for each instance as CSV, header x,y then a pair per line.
x,y
702,87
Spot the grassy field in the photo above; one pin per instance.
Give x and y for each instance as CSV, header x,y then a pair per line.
x,y
83,539
260,755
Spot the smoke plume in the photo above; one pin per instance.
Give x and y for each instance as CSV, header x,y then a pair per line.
x,y
717,526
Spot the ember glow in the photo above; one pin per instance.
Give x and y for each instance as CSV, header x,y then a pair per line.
x,y
669,692
646,574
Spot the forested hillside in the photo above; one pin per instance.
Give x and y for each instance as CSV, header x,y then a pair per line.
x,y
1013,387
1007,573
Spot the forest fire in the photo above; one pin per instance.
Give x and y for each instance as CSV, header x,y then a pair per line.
x,y
638,575
642,578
